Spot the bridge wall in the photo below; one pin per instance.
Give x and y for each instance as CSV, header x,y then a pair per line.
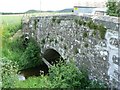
x,y
99,57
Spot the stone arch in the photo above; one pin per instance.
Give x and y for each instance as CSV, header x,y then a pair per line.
x,y
52,56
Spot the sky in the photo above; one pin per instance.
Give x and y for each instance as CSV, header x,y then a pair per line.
x,y
24,5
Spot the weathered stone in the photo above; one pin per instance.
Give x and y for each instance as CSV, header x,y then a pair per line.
x,y
67,39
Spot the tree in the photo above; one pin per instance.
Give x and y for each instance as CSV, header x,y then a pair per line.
x,y
113,8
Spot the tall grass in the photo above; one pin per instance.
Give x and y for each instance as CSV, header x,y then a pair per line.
x,y
10,25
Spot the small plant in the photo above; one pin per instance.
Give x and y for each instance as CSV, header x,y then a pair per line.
x,y
58,21
80,22
85,34
51,39
84,23
86,45
76,51
94,33
53,19
76,21
102,31
35,24
90,24
43,41
95,26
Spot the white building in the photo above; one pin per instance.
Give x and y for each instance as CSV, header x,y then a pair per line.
x,y
90,7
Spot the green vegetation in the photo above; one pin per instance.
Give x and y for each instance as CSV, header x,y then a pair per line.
x,y
31,55
56,20
9,70
35,23
76,51
53,19
113,8
43,41
92,25
51,39
85,34
102,31
86,45
80,22
56,41
9,28
23,53
94,33
61,75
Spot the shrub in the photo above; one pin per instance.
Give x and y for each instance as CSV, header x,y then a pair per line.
x,y
67,76
113,8
31,56
9,70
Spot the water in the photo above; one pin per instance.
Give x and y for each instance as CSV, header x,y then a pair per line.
x,y
33,71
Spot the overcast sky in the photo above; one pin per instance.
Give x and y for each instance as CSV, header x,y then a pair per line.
x,y
24,5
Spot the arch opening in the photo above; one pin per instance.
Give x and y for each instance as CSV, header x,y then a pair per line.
x,y
52,56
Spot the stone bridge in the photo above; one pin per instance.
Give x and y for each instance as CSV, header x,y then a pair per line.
x,y
62,36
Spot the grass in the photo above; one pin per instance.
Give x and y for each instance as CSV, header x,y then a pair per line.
x,y
9,26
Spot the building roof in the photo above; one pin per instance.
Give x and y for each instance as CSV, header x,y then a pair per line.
x,y
83,7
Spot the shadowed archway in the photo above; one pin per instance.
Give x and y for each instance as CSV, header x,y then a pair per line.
x,y
52,56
